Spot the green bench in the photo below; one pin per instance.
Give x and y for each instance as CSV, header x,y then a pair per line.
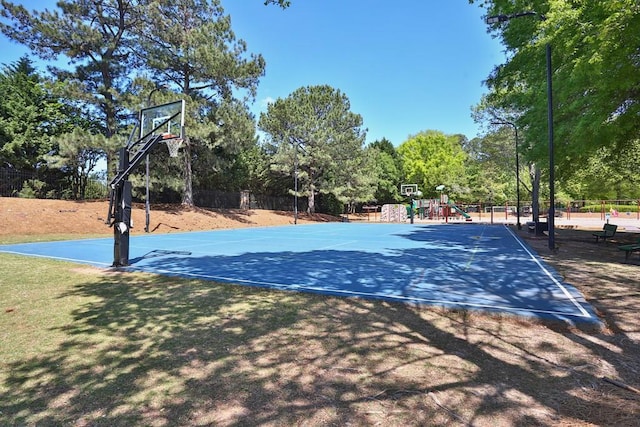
x,y
608,231
628,249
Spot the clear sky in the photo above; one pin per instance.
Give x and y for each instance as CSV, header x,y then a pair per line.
x,y
405,65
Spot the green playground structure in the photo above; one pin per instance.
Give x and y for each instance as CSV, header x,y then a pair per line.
x,y
460,211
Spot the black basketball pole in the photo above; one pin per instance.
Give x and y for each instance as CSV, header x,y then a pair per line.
x,y
122,215
120,206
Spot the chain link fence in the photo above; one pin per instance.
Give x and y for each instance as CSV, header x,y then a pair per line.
x,y
50,185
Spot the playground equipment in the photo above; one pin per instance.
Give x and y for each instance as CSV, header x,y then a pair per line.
x,y
393,213
162,123
466,216
431,209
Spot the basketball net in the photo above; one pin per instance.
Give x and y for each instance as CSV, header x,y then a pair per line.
x,y
174,145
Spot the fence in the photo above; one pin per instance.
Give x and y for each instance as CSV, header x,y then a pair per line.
x,y
574,211
52,184
17,183
215,199
12,181
577,208
568,213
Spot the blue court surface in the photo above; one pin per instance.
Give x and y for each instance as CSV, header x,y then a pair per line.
x,y
472,266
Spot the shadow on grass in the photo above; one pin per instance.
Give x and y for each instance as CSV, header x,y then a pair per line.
x,y
148,350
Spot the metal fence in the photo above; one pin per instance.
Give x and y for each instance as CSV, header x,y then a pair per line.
x,y
245,200
14,182
50,185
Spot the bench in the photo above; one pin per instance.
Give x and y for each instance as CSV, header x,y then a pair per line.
x,y
538,227
628,249
609,230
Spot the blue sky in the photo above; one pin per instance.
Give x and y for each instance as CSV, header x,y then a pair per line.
x,y
405,65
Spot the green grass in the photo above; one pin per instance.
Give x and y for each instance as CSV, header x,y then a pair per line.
x,y
13,239
83,346
76,340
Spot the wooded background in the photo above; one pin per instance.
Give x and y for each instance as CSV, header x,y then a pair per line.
x,y
59,127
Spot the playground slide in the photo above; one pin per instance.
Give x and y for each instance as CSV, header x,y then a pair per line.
x,y
460,211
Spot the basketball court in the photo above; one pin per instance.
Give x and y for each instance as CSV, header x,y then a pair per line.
x,y
468,266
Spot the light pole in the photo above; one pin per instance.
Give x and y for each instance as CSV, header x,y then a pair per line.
x,y
295,185
515,129
496,19
295,180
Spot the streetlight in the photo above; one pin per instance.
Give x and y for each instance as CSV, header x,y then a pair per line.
x,y
552,210
515,129
295,185
295,181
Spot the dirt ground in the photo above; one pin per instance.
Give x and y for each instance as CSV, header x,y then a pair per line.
x,y
37,217
601,369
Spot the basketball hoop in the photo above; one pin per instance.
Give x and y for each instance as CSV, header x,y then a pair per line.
x,y
409,189
173,144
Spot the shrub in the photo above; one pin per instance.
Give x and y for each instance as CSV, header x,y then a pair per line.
x,y
33,189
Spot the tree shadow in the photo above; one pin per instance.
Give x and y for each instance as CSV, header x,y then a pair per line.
x,y
149,350
145,350
243,216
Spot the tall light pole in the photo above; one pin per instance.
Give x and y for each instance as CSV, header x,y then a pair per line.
x,y
295,185
515,129
496,19
297,147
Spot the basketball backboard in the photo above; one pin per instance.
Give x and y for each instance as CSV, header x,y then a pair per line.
x,y
408,189
165,119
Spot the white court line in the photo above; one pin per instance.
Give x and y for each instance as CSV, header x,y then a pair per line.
x,y
324,291
223,242
475,249
544,269
336,245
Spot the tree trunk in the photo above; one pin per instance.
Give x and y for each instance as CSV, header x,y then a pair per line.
x,y
187,195
311,207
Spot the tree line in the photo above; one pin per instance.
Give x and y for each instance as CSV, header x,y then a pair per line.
x,y
595,92
128,54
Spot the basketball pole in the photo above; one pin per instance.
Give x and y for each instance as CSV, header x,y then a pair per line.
x,y
411,208
120,209
122,214
119,216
